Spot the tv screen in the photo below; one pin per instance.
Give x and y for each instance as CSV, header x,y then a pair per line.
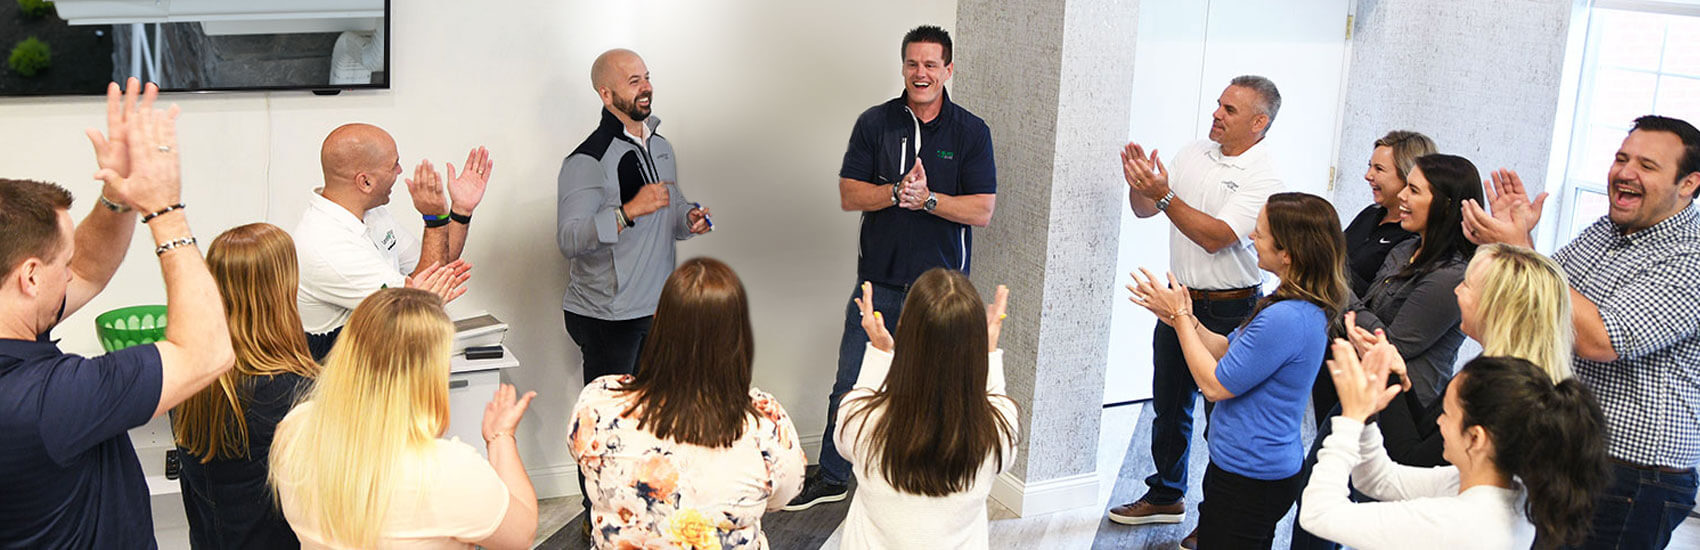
x,y
75,47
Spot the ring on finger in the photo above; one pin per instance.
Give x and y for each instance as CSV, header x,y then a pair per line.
x,y
165,148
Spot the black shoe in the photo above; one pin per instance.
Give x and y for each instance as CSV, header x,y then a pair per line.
x,y
816,490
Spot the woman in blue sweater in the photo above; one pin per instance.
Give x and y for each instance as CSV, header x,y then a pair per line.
x,y
1260,374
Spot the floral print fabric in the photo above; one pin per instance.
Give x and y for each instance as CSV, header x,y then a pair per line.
x,y
653,494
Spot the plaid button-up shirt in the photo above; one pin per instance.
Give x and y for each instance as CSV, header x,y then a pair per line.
x,y
1647,287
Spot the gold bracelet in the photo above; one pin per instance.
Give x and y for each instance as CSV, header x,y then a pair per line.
x,y
1178,314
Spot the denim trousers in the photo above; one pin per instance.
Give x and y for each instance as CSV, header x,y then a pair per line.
x,y
1173,392
1640,508
888,300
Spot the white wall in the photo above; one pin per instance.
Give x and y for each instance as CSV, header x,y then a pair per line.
x,y
758,97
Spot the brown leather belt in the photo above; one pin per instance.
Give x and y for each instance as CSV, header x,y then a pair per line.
x,y
1217,295
1660,469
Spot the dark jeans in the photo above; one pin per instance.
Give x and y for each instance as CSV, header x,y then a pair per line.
x,y
610,347
1172,393
1241,512
888,300
1640,508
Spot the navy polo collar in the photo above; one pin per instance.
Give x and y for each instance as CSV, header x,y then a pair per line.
x,y
41,348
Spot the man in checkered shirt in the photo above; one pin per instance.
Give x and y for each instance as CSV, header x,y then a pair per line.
x,y
1635,291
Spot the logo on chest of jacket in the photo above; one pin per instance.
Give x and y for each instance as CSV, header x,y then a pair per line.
x,y
389,240
947,155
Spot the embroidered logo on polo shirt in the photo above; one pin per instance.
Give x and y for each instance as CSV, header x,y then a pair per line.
x,y
947,155
1231,185
389,240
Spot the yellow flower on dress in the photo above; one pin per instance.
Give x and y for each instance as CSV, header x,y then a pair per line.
x,y
690,530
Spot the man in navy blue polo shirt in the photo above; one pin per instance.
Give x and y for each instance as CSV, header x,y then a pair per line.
x,y
68,474
919,168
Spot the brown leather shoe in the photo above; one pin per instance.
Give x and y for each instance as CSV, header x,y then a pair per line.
x,y
1191,540
1142,512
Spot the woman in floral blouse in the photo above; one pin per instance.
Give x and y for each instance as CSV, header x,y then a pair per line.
x,y
684,453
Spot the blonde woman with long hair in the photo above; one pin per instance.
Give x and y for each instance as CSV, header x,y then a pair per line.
x,y
360,463
224,432
1516,303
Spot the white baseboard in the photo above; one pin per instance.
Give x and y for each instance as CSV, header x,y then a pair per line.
x,y
1044,497
562,480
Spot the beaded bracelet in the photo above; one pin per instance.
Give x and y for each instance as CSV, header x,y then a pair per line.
x,y
168,209
162,249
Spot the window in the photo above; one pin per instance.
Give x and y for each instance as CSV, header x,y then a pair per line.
x,y
1640,58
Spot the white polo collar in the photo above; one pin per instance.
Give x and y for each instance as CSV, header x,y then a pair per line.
x,y
1247,159
336,213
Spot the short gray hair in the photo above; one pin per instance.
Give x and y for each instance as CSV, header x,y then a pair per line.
x,y
1265,89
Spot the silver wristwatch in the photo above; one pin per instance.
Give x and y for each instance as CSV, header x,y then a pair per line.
x,y
895,189
1163,203
932,202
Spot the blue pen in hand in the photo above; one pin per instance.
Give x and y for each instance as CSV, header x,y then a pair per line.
x,y
705,218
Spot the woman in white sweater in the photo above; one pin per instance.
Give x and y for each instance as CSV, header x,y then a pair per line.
x,y
1527,456
927,426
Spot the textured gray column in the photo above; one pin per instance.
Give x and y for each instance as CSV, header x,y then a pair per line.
x,y
1053,79
1481,78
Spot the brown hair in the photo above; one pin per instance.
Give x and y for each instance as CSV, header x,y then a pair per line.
x,y
29,216
692,383
1306,227
254,266
937,426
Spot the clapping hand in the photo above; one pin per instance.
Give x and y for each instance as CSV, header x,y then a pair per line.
x,y
1167,302
1514,216
996,312
913,192
1366,342
504,411
466,189
139,163
1362,386
446,281
873,322
426,187
1146,175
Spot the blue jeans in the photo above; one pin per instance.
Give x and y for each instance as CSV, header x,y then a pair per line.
x,y
1640,508
1172,393
888,300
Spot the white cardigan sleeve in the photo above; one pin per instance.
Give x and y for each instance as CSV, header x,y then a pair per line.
x,y
1355,451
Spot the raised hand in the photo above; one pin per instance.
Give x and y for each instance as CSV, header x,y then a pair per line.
x,y
426,187
1362,386
649,198
446,281
153,182
995,314
873,322
1167,302
466,190
1145,174
1513,217
504,411
112,150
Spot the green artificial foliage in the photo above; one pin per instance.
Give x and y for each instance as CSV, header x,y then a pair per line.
x,y
30,57
35,8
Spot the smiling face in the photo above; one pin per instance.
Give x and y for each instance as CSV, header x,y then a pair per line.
x,y
1238,121
1645,189
1469,293
1454,447
1269,257
1414,201
625,88
1383,178
925,72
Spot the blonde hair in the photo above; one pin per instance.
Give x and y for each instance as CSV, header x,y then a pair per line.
x,y
254,266
1406,147
1523,308
383,395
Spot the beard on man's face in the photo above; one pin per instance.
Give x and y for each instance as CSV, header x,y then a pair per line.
x,y
631,108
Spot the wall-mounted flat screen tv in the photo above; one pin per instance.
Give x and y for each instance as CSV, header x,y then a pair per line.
x,y
75,47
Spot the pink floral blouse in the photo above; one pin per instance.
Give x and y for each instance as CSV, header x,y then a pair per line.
x,y
649,494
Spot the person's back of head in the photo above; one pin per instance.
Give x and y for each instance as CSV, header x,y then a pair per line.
x,y
692,383
31,214
1452,180
383,395
936,428
1550,438
1307,228
1523,308
254,267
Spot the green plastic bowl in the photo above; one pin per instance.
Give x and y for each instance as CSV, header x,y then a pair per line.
x,y
130,326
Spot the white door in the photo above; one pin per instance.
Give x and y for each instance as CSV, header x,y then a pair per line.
x,y
1187,52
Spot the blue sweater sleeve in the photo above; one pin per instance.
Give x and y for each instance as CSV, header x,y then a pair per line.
x,y
1270,340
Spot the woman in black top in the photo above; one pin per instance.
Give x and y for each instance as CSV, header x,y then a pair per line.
x,y
224,432
1376,229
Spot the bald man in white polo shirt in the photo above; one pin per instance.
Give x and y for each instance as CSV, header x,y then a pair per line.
x,y
1218,188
